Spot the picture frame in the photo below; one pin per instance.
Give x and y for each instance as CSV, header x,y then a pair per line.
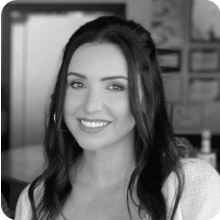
x,y
167,23
204,25
204,60
204,90
169,60
187,117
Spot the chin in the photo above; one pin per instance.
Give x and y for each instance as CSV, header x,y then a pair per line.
x,y
91,145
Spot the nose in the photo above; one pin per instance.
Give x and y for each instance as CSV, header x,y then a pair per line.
x,y
93,102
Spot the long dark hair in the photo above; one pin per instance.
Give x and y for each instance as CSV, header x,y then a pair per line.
x,y
154,149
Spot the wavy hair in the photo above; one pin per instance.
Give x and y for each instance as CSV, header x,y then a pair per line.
x,y
155,152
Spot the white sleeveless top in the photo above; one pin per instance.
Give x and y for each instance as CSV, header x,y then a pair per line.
x,y
200,199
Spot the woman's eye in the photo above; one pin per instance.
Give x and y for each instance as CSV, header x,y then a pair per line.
x,y
77,85
116,87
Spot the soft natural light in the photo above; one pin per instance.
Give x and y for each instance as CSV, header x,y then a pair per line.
x,y
217,2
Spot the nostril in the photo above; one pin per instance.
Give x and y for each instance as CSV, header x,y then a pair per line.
x,y
94,107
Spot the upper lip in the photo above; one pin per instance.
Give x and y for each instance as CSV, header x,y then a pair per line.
x,y
94,120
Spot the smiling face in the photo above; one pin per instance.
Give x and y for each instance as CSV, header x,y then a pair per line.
x,y
96,107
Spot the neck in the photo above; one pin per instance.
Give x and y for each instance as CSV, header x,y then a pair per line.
x,y
106,167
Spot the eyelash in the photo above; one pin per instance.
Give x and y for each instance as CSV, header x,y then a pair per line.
x,y
77,83
115,87
121,88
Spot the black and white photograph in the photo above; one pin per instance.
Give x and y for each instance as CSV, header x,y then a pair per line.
x,y
110,110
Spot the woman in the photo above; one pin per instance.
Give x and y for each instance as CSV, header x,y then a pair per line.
x,y
110,148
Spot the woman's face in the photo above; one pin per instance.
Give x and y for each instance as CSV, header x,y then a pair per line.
x,y
96,108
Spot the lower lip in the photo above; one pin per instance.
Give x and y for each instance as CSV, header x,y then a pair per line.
x,y
91,129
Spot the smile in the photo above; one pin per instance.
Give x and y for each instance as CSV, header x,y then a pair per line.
x,y
94,124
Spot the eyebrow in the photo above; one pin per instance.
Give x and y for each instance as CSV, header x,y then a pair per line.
x,y
102,79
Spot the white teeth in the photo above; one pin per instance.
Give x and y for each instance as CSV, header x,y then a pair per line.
x,y
93,124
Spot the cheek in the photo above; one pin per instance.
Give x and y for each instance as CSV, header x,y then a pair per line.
x,y
67,108
123,112
71,105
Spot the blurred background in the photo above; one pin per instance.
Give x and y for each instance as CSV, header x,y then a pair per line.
x,y
34,33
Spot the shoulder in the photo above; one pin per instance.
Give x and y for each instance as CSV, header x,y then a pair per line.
x,y
197,174
23,208
200,176
201,194
195,168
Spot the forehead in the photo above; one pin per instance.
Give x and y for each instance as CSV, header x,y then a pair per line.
x,y
98,59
